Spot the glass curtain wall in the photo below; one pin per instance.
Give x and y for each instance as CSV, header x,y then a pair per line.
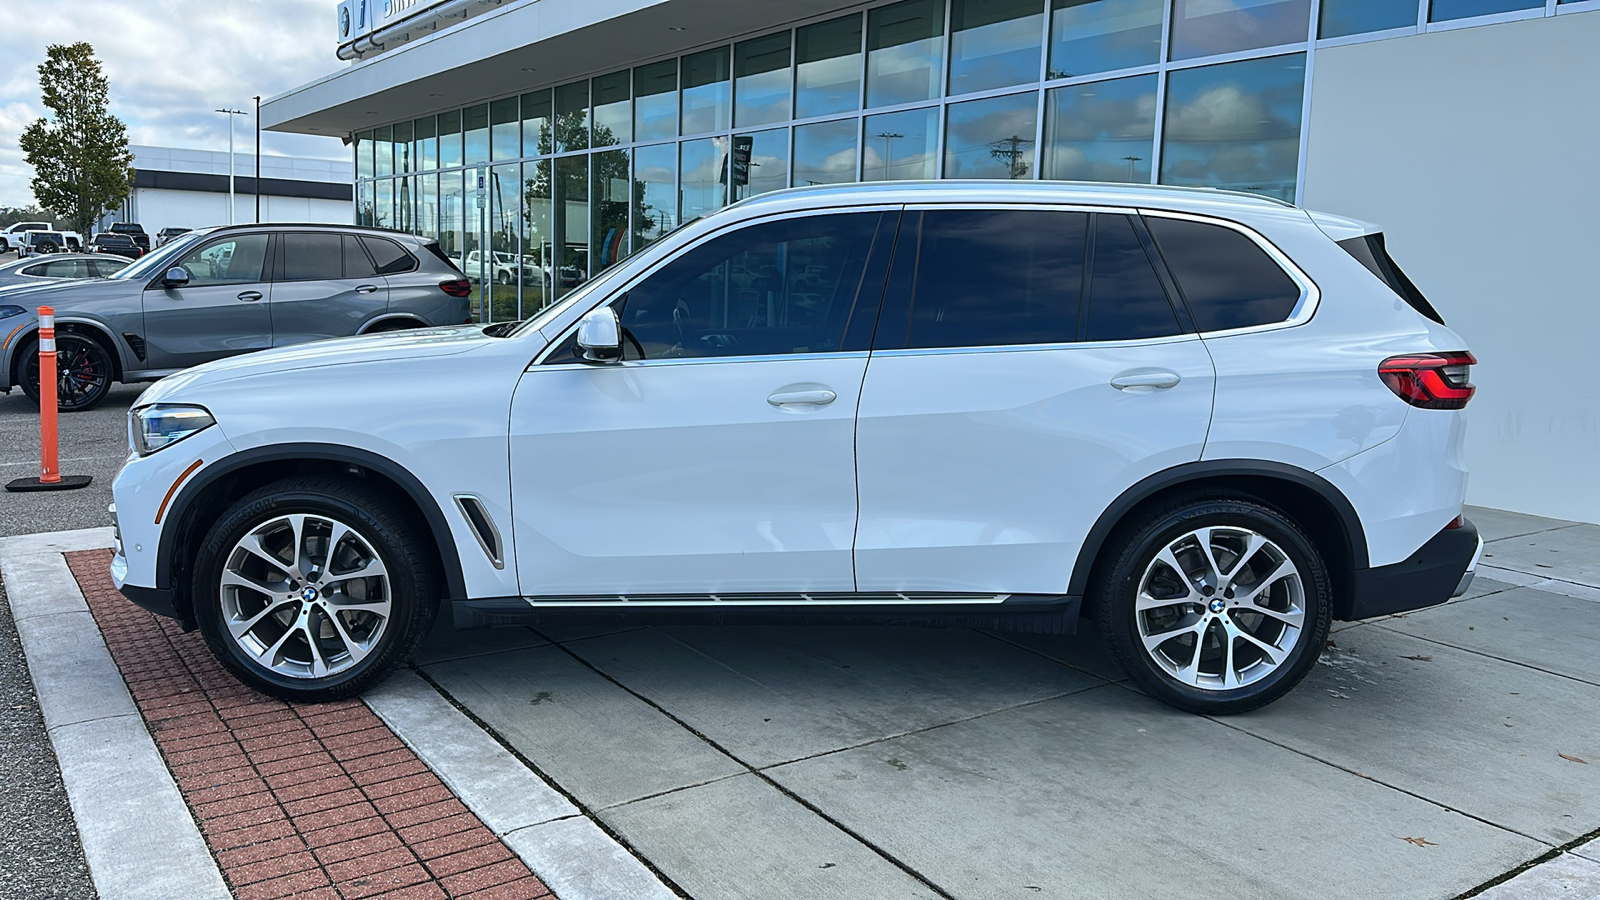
x,y
578,175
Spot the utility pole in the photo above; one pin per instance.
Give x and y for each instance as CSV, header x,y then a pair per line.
x,y
258,158
1009,150
230,113
888,151
1131,160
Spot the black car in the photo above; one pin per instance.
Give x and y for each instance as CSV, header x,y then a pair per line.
x,y
120,244
135,231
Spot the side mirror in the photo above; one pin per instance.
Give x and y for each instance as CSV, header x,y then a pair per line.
x,y
177,276
600,336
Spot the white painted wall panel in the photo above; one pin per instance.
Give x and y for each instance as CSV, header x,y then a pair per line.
x,y
1476,150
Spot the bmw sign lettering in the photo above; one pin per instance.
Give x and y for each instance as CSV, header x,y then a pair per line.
x,y
344,22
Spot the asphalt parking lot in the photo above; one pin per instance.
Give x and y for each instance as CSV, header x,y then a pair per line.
x,y
1429,755
93,442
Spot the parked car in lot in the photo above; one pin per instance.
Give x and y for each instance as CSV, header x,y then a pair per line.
x,y
59,267
133,230
168,233
504,268
12,238
1211,422
120,244
219,292
37,242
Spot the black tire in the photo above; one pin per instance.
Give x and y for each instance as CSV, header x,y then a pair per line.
x,y
46,247
83,372
1234,635
380,530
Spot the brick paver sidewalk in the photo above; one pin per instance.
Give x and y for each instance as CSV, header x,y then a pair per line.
x,y
312,801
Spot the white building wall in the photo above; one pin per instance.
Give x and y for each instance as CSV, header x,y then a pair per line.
x,y
1476,149
156,208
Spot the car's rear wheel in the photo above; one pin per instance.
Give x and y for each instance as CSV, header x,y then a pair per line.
x,y
313,589
83,372
1214,605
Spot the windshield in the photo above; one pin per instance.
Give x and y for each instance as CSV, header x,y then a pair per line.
x,y
156,261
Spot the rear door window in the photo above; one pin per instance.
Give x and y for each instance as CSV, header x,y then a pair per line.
x,y
1226,278
989,278
356,262
1126,299
308,256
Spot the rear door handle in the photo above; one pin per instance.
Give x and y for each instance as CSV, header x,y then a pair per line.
x,y
1147,378
814,398
366,288
250,296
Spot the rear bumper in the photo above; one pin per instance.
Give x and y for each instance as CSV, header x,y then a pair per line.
x,y
1440,569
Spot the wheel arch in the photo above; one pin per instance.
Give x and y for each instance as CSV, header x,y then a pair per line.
x,y
1310,500
217,486
95,331
392,322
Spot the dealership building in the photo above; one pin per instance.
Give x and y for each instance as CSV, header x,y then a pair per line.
x,y
570,133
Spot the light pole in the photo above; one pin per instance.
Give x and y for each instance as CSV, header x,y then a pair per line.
x,y
1131,160
888,152
230,113
258,157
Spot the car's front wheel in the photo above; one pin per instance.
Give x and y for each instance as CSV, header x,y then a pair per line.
x,y
83,372
313,589
1214,605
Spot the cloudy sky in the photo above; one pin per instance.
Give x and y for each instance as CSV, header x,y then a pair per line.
x,y
170,62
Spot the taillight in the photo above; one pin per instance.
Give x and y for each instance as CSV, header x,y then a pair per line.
x,y
460,287
1430,380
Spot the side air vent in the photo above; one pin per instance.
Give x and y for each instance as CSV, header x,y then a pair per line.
x,y
136,342
482,528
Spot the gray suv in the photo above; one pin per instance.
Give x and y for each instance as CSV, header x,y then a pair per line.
x,y
218,292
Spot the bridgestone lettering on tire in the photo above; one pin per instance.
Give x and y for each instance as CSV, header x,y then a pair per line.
x,y
1215,605
313,589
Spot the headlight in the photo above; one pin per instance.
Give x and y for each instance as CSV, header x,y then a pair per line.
x,y
8,311
165,424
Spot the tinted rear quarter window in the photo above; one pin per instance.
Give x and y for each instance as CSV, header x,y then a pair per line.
x,y
1126,299
1227,279
1369,250
988,278
388,255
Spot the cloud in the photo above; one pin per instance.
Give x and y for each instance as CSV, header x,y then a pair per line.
x,y
170,63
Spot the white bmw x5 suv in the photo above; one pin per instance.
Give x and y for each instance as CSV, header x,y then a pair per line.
x,y
1211,422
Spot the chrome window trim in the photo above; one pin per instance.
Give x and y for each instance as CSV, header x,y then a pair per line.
x,y
1054,346
1310,295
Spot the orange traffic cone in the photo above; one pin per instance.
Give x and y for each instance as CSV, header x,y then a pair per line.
x,y
50,477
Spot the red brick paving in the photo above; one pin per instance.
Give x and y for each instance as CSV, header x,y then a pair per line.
x,y
296,801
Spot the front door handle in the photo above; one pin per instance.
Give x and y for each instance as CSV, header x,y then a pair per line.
x,y
1158,379
366,288
814,398
250,296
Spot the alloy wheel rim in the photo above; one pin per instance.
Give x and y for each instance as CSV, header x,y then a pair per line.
x,y
1220,608
78,375
305,596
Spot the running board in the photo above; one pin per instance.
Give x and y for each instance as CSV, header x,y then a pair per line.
x,y
1039,613
797,599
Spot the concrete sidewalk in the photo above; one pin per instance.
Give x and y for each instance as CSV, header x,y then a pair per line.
x,y
1431,755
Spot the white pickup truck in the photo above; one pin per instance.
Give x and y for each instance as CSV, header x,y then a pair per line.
x,y
14,236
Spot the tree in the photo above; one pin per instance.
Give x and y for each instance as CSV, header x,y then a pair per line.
x,y
11,215
81,163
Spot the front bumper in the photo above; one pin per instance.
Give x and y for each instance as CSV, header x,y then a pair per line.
x,y
1440,569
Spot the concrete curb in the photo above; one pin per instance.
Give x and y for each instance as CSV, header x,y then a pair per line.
x,y
122,796
124,800
569,853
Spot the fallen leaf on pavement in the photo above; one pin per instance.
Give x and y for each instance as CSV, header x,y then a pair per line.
x,y
1420,842
1573,758
1420,657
